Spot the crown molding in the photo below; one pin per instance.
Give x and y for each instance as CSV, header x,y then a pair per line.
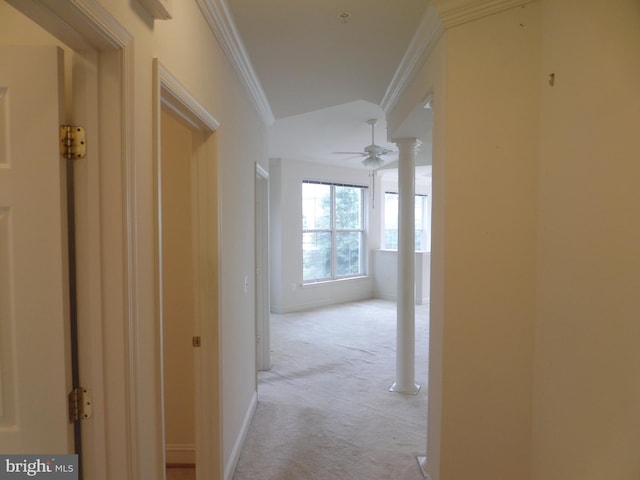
x,y
220,21
439,16
457,12
427,35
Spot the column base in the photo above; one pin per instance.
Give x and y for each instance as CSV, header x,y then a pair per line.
x,y
409,391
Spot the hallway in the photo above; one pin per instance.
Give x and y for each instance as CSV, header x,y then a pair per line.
x,y
324,409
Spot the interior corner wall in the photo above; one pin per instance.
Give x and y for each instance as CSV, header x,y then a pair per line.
x,y
289,294
484,245
587,360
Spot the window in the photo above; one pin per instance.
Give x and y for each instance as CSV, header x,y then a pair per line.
x,y
332,231
423,222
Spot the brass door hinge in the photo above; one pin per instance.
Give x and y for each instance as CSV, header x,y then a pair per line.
x,y
196,341
73,142
80,405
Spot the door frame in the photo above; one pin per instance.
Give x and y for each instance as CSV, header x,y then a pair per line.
x,y
115,449
262,301
171,96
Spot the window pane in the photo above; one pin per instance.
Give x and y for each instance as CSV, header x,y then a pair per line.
x,y
348,208
422,219
391,211
390,221
348,253
316,255
316,206
419,211
391,239
420,241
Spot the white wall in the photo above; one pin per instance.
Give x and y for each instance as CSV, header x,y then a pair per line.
x,y
385,275
287,291
587,360
490,244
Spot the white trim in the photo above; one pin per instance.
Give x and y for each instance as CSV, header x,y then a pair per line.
x,y
261,171
132,299
79,24
237,448
263,289
422,463
422,43
177,98
94,21
457,12
439,16
219,18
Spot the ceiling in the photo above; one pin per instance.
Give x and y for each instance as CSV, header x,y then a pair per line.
x,y
325,67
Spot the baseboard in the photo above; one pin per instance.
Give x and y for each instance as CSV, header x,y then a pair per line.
x,y
180,454
230,468
328,301
422,463
388,296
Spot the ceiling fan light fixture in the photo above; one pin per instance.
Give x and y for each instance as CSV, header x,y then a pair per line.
x,y
373,161
372,153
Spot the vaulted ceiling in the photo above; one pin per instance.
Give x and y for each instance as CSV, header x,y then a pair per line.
x,y
318,70
310,55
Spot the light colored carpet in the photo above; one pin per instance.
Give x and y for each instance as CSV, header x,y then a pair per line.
x,y
324,410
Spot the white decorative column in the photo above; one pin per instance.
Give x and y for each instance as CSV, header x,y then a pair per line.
x,y
406,322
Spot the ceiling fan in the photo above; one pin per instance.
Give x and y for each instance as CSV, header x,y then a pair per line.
x,y
372,153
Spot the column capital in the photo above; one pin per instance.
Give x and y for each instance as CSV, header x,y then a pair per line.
x,y
409,142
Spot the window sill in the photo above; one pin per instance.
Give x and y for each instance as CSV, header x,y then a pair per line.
x,y
395,250
337,280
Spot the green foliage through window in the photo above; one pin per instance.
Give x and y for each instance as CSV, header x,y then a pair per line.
x,y
333,231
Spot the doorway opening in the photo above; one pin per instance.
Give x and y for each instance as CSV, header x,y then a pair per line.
x,y
187,289
263,355
177,297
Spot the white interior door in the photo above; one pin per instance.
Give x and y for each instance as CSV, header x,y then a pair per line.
x,y
34,378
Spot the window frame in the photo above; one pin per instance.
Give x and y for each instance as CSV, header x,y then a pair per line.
x,y
425,219
334,231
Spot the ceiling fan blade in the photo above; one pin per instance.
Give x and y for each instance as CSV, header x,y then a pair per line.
x,y
386,151
372,153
